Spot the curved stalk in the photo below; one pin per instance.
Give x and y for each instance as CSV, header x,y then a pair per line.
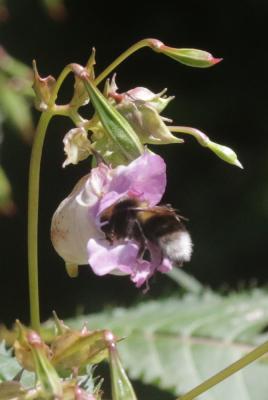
x,y
33,202
226,372
135,47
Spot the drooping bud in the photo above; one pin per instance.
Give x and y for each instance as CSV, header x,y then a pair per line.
x,y
191,57
121,386
77,146
43,88
223,152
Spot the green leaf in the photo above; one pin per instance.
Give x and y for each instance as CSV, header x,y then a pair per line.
x,y
175,343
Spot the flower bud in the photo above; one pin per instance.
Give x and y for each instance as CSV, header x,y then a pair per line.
x,y
43,88
191,57
225,153
77,146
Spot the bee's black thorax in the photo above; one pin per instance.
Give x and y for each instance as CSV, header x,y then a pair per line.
x,y
128,219
121,221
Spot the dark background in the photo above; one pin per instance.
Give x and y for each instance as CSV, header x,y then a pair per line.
x,y
227,207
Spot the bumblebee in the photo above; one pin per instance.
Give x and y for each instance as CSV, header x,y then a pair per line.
x,y
159,225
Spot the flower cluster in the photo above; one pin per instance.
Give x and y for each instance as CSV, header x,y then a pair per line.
x,y
112,219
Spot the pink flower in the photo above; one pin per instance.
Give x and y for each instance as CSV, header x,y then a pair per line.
x,y
78,234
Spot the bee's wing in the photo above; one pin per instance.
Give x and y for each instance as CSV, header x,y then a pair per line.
x,y
161,210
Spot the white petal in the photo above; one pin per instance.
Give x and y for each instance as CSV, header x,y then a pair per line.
x,y
73,225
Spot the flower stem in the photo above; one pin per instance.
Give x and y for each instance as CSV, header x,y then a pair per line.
x,y
137,46
226,372
33,202
201,137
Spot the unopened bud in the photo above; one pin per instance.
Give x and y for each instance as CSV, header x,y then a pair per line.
x,y
191,57
225,153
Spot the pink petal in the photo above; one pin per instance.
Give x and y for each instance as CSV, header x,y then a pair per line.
x,y
105,258
144,178
119,259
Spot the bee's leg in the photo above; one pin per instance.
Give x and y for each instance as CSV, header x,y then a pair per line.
x,y
143,241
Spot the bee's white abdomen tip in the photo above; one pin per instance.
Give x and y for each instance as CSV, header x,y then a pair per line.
x,y
177,246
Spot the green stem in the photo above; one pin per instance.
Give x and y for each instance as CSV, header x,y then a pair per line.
x,y
33,202
201,137
137,46
225,373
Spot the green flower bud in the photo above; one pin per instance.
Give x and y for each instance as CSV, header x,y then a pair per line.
x,y
225,153
191,57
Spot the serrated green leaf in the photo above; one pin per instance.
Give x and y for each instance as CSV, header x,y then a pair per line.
x,y
177,343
